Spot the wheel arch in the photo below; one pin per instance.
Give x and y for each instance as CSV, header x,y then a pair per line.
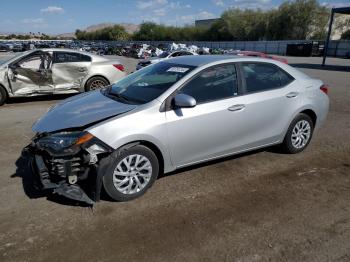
x,y
97,75
156,150
311,113
308,110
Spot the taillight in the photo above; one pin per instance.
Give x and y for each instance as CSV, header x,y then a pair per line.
x,y
324,89
120,67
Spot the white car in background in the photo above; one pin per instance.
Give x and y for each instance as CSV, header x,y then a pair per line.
x,y
163,56
56,71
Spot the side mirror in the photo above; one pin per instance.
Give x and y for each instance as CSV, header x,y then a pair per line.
x,y
183,100
12,66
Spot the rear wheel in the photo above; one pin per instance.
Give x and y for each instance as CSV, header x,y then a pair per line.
x,y
96,82
3,95
298,135
132,173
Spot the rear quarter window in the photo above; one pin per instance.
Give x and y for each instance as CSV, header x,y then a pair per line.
x,y
70,57
264,76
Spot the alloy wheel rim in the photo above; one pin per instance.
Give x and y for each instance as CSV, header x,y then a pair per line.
x,y
132,174
301,134
97,84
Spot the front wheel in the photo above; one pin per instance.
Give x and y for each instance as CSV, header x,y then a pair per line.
x,y
3,96
132,174
299,134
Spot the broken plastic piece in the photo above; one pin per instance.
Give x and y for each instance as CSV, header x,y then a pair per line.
x,y
73,192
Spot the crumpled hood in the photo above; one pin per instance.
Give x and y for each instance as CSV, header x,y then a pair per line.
x,y
79,111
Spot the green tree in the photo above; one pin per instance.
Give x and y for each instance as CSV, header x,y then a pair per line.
x,y
346,35
299,19
237,24
115,32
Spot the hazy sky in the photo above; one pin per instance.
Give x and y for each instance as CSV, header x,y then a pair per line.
x,y
63,16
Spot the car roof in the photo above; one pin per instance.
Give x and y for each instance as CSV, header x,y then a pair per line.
x,y
94,56
203,60
200,60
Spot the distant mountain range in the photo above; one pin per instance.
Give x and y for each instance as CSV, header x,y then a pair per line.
x,y
130,28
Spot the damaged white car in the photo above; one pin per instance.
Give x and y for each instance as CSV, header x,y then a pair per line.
x,y
56,71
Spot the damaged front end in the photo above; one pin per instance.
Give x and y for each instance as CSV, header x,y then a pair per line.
x,y
67,163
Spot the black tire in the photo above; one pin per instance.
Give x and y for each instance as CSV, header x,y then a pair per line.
x,y
287,145
108,177
96,82
3,96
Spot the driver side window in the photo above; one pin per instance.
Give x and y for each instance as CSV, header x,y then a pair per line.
x,y
214,83
36,61
32,62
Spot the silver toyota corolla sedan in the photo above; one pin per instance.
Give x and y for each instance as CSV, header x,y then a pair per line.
x,y
56,71
169,115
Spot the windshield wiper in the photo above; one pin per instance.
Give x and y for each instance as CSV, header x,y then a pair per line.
x,y
119,96
129,100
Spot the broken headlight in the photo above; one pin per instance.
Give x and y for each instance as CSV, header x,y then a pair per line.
x,y
64,142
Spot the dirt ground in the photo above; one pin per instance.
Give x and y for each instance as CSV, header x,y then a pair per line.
x,y
261,206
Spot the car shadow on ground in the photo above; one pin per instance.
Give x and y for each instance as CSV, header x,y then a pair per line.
x,y
41,98
272,149
340,68
30,187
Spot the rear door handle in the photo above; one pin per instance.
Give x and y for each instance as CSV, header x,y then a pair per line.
x,y
292,94
82,69
236,107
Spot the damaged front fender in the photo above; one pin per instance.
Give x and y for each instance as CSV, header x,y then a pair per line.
x,y
71,175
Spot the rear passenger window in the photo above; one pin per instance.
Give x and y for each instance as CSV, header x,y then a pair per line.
x,y
264,76
69,57
214,83
85,58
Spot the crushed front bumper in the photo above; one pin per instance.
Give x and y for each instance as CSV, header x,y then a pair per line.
x,y
75,174
61,186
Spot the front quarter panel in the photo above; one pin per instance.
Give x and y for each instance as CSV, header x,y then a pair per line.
x,y
144,124
3,79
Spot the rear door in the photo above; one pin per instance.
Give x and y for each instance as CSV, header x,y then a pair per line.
x,y
270,96
69,70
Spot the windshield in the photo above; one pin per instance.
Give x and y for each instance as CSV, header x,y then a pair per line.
x,y
148,83
11,57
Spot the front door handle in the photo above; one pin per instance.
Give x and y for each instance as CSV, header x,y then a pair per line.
x,y
292,94
236,107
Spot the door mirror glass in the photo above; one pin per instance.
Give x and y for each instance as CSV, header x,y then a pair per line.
x,y
13,66
183,100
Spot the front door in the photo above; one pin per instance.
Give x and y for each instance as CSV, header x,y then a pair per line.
x,y
205,131
31,74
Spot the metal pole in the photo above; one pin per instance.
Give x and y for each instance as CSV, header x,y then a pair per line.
x,y
328,37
